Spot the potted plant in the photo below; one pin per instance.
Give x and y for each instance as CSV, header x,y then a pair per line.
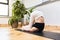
x,y
18,9
13,21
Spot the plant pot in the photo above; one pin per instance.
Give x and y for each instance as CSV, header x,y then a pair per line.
x,y
26,19
15,25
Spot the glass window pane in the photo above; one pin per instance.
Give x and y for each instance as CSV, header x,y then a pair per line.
x,y
3,9
4,1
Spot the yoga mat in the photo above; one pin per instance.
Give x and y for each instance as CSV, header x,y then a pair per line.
x,y
52,35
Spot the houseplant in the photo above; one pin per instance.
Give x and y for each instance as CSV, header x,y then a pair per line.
x,y
18,11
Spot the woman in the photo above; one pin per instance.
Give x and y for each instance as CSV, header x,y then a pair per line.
x,y
36,22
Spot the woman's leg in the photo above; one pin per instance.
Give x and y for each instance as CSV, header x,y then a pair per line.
x,y
33,29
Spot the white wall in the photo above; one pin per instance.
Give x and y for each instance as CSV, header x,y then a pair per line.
x,y
4,20
10,7
30,3
51,12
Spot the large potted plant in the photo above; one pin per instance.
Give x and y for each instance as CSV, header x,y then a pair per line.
x,y
18,11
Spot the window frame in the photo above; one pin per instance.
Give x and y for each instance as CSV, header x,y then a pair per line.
x,y
7,9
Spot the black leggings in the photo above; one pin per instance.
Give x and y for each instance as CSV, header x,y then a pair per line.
x,y
40,26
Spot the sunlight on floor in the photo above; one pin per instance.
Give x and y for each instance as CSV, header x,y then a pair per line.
x,y
4,34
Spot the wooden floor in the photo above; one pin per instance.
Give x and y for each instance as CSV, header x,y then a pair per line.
x,y
18,35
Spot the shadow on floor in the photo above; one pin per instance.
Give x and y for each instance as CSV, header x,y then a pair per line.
x,y
52,35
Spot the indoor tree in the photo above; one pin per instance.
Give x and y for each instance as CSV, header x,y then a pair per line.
x,y
18,11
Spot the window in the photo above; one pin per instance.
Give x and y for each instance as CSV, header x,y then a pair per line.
x,y
4,7
4,1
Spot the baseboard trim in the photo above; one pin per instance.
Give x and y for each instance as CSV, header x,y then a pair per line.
x,y
4,25
7,25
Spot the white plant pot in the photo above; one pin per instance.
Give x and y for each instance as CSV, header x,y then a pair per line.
x,y
26,18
